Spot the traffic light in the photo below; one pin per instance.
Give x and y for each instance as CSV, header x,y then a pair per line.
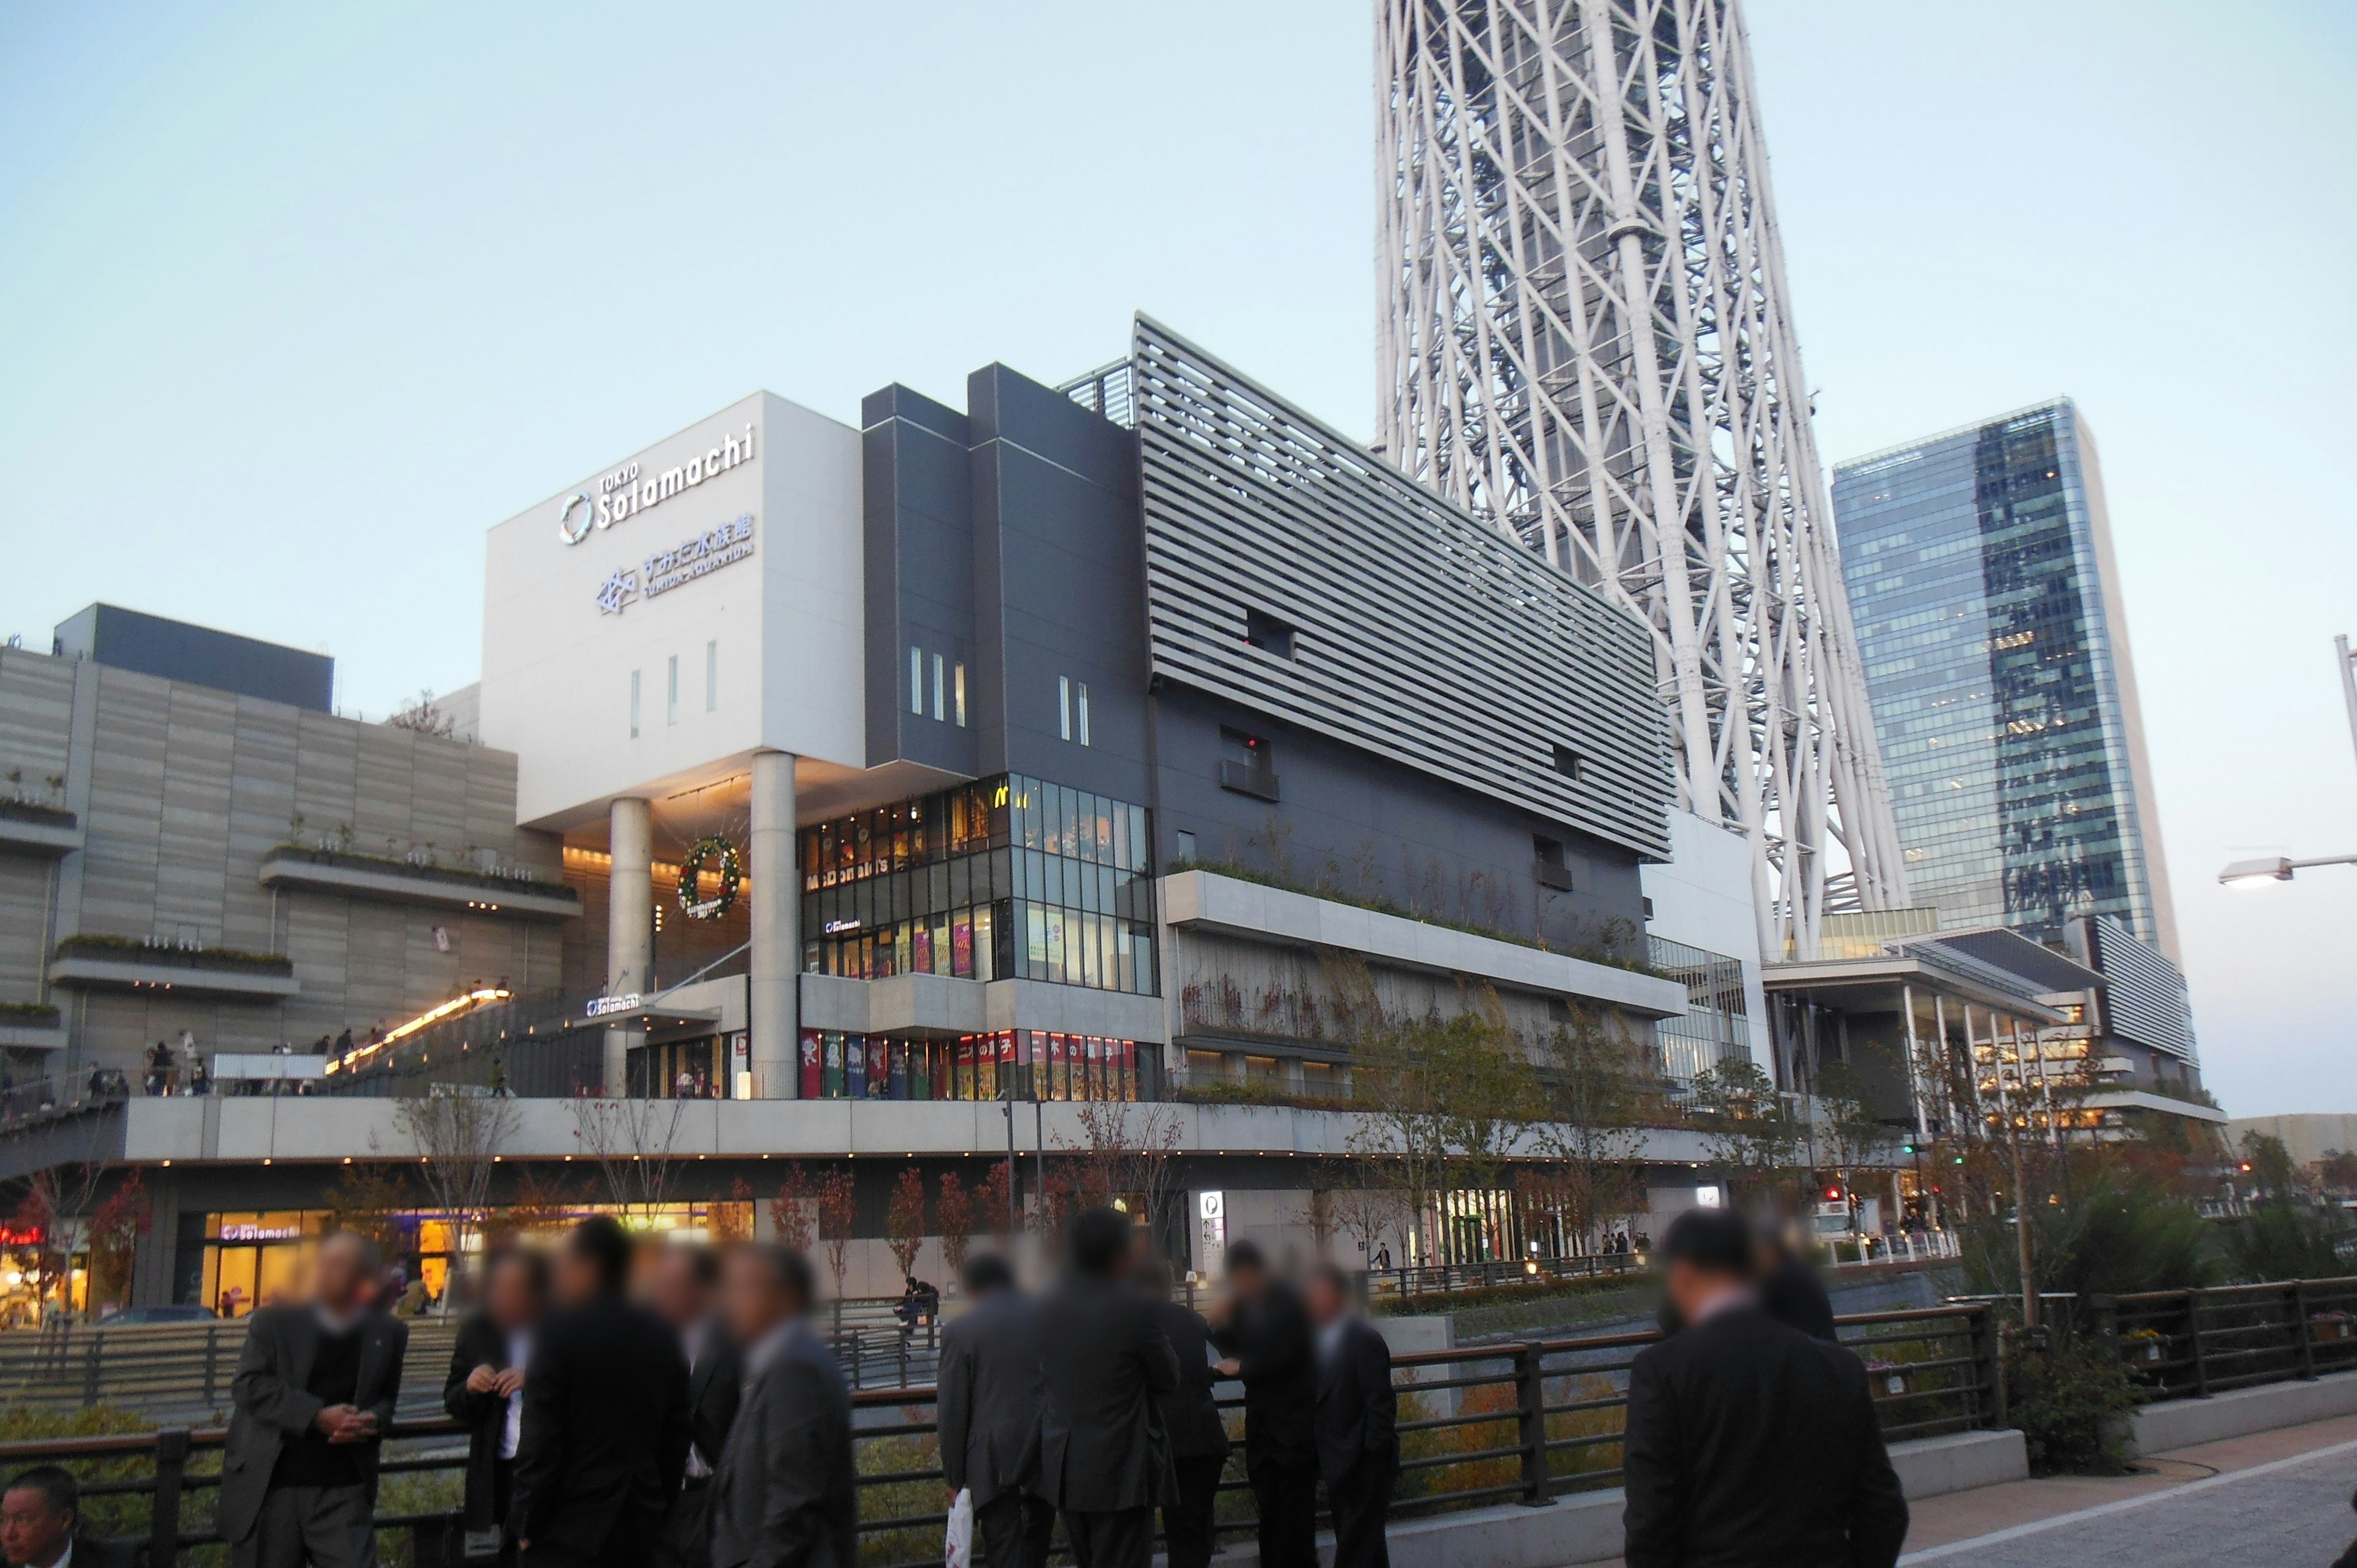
x,y
1906,1148
1833,1193
1960,1159
2246,1167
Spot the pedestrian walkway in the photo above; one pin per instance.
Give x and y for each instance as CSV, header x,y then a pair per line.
x,y
2279,1499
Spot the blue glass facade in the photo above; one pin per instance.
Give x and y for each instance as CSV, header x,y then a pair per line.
x,y
1979,574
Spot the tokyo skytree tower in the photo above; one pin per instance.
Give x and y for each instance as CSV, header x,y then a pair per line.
x,y
1585,336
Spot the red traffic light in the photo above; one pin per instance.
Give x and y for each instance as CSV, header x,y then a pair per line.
x,y
2246,1167
1833,1194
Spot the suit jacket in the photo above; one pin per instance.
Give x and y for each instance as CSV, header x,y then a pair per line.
x,y
1271,1342
485,1417
1190,1413
1357,1408
1749,1443
605,1430
990,1396
1794,1296
272,1407
786,1495
715,1386
89,1553
1104,1360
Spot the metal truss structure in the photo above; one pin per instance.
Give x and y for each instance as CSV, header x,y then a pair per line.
x,y
1585,336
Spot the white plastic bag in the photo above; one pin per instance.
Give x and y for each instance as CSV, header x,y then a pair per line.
x,y
957,1546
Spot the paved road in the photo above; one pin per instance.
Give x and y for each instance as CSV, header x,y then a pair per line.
x,y
2291,1513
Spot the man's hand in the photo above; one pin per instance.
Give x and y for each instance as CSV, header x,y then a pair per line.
x,y
357,1427
509,1381
331,1419
1229,1368
483,1379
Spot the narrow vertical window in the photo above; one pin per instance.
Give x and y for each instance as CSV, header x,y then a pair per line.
x,y
939,709
916,680
1063,707
634,704
1084,713
711,677
961,695
670,692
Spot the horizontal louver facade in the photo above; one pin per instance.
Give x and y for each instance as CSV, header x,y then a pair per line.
x,y
1411,629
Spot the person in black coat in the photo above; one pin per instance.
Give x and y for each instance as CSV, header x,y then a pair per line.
x,y
990,1392
484,1391
40,1525
1358,1415
1748,1440
1790,1290
1190,1415
605,1416
1264,1334
1105,1460
684,1291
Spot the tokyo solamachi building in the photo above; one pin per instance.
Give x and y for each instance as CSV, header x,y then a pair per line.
x,y
834,789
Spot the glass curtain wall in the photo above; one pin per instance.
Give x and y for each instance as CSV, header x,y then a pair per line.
x,y
1019,1064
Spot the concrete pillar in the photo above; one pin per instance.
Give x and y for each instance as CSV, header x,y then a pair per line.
x,y
630,927
772,1003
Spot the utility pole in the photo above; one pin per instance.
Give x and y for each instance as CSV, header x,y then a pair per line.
x,y
1007,1105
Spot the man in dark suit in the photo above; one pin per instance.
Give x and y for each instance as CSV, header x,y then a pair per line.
x,y
314,1396
40,1525
1358,1412
990,1396
605,1416
484,1391
786,1495
1790,1290
684,1293
1264,1334
1190,1415
1103,1459
1750,1442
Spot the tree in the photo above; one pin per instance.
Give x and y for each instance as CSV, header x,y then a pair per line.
x,y
423,716
544,1197
732,1221
1597,1101
457,1137
992,1203
1126,1158
2272,1172
1365,1206
904,1219
2336,1173
1747,1129
955,1209
368,1197
789,1211
631,1141
838,1210
112,1236
55,1199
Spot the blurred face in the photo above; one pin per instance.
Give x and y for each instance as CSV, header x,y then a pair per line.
x,y
509,1297
752,1299
29,1531
574,1276
1325,1302
342,1273
1247,1282
1692,1289
674,1291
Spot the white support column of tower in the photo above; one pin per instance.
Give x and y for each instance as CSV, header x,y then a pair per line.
x,y
629,925
774,965
1585,334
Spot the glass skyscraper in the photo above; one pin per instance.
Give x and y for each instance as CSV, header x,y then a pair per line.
x,y
1980,575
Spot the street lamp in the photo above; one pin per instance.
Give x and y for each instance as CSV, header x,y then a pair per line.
x,y
2276,869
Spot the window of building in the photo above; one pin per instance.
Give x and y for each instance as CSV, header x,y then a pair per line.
x,y
916,679
1081,699
634,704
1569,763
711,677
941,707
1247,764
959,693
1064,707
1187,852
1552,865
1268,634
670,699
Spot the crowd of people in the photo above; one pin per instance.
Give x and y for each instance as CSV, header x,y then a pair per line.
x,y
679,1410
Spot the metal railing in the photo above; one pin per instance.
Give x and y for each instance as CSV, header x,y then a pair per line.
x,y
2195,1343
1524,1422
173,1371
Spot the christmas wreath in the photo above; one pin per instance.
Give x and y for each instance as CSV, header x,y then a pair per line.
x,y
713,853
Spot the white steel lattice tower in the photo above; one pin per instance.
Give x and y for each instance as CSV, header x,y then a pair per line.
x,y
1585,336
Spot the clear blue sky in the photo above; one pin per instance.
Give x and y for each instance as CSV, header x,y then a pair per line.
x,y
294,302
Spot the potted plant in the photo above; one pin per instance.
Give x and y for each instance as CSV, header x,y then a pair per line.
x,y
2142,1345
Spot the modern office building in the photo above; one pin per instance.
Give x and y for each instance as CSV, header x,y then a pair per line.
x,y
1988,609
830,791
1585,336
